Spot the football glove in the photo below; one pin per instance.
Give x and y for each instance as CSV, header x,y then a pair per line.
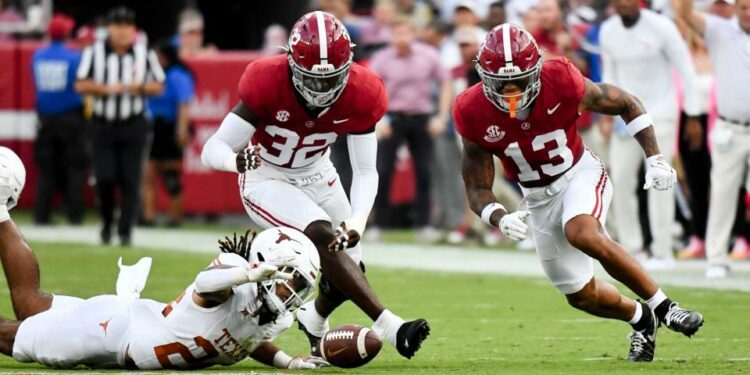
x,y
659,174
262,271
307,363
513,225
345,239
248,159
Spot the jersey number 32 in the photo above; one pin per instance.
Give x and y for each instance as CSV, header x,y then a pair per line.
x,y
292,151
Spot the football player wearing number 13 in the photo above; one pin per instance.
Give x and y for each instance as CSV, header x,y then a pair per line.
x,y
524,112
292,108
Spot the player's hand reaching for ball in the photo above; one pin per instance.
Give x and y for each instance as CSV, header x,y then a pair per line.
x,y
248,159
513,225
345,239
307,363
659,174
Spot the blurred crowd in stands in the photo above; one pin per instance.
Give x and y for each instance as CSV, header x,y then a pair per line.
x,y
436,42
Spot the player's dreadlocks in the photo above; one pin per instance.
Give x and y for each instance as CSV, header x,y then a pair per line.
x,y
241,247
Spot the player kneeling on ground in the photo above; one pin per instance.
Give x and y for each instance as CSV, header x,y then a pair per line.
x,y
524,112
233,310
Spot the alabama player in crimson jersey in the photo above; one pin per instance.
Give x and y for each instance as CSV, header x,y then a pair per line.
x,y
292,108
524,112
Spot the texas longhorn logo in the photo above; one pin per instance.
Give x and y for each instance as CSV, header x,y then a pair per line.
x,y
494,134
285,237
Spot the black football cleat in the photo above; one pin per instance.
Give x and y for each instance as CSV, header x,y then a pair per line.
x,y
410,336
643,343
683,321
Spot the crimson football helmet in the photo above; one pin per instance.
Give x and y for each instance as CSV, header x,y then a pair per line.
x,y
319,54
510,65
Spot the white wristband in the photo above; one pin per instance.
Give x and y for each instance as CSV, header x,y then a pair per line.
x,y
489,209
281,359
4,214
639,123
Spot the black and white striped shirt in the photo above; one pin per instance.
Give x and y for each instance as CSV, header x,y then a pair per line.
x,y
102,64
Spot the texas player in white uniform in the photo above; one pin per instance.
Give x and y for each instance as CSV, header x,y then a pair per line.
x,y
233,310
524,112
292,108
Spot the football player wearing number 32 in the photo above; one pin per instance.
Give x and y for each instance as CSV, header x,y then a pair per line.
x,y
524,112
292,108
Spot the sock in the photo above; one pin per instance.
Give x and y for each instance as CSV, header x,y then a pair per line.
x,y
642,317
638,313
387,326
64,302
313,322
660,304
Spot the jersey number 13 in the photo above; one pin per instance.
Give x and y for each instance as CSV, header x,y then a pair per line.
x,y
540,142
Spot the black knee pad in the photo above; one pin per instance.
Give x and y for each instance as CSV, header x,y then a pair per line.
x,y
330,291
172,182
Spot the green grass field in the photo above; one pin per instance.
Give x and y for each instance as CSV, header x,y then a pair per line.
x,y
480,324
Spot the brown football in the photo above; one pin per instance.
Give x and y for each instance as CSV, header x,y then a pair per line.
x,y
350,346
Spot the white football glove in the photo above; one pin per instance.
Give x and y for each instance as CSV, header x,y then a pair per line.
x,y
513,225
307,363
262,271
659,174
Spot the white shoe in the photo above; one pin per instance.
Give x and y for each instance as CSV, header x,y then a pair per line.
x,y
456,237
428,235
659,264
132,279
717,272
373,234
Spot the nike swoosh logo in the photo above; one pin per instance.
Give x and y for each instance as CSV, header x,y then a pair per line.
x,y
332,354
330,183
336,122
553,109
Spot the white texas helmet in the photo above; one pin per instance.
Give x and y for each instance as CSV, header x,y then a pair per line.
x,y
12,175
280,243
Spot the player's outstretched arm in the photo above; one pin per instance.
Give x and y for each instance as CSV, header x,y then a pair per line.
x,y
612,100
213,286
228,150
478,171
269,354
363,151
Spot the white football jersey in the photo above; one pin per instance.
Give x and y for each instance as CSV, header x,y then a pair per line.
x,y
184,335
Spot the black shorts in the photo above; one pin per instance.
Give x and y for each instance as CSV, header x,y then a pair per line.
x,y
164,146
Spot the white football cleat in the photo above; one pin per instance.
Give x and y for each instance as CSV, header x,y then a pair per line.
x,y
717,272
132,279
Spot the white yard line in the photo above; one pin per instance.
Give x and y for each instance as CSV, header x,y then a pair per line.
x,y
466,259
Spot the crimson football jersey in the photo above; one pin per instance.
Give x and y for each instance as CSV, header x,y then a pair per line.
x,y
536,150
288,135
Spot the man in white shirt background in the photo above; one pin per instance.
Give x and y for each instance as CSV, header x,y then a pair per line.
x,y
640,50
728,43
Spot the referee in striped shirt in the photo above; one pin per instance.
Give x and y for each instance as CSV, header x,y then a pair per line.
x,y
118,74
